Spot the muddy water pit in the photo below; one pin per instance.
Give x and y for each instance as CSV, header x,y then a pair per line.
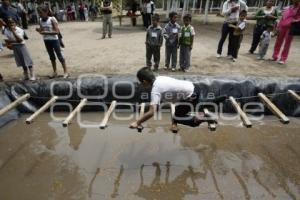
x,y
46,161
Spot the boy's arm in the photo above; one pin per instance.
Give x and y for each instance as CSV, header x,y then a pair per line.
x,y
165,32
193,35
161,38
149,114
192,41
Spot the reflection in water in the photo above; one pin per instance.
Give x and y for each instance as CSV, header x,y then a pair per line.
x,y
76,134
175,189
117,183
90,189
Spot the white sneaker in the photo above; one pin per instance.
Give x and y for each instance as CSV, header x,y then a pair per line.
x,y
32,78
173,69
219,56
259,58
233,59
229,57
281,62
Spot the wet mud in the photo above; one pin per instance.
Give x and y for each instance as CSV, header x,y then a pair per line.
x,y
46,161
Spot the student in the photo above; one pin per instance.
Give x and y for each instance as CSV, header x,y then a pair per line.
x,y
49,30
237,37
15,38
154,40
265,40
186,43
171,32
231,10
167,89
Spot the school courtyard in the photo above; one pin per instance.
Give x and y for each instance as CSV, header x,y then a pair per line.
x,y
125,53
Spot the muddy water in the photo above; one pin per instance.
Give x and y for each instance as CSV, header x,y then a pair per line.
x,y
46,161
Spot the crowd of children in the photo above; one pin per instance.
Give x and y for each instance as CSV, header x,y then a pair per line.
x,y
175,37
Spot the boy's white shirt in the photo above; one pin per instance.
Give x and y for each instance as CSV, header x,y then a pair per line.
x,y
167,89
9,35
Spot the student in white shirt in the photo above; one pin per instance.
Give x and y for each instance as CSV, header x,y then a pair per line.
x,y
15,39
167,89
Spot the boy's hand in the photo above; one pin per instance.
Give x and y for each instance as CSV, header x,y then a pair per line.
x,y
134,125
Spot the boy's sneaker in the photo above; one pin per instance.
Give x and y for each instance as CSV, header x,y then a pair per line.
x,y
281,62
166,68
32,78
173,69
250,52
219,56
229,56
233,59
259,58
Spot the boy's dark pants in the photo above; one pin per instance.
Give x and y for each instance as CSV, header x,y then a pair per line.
x,y
185,56
155,52
184,107
171,53
257,32
236,44
225,31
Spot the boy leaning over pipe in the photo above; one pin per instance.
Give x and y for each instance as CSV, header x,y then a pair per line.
x,y
185,94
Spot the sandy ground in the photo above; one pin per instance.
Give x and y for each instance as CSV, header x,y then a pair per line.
x,y
85,52
47,161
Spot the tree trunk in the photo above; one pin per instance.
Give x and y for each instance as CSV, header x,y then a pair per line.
x,y
206,12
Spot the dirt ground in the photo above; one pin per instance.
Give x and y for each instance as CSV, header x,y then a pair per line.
x,y
85,52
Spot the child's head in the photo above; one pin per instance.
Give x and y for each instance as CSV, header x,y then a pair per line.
x,y
187,19
243,15
173,17
155,19
11,23
145,77
43,11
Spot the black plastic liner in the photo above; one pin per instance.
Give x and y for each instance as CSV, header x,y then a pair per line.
x,y
100,89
